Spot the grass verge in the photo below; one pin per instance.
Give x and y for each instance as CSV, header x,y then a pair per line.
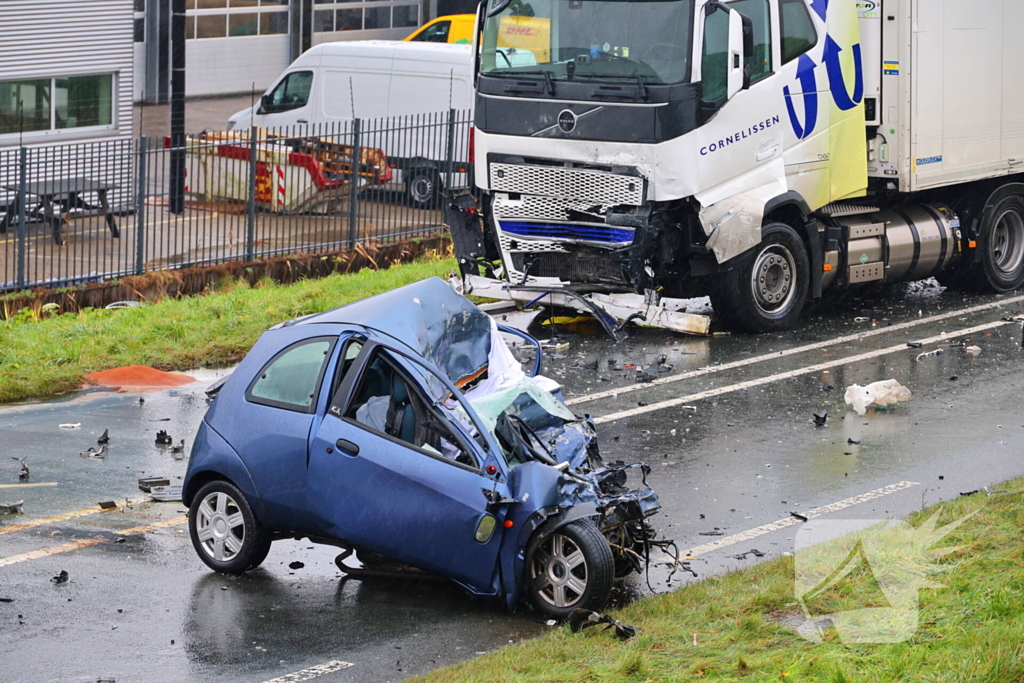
x,y
45,357
731,628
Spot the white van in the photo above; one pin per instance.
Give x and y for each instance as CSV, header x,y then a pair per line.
x,y
377,79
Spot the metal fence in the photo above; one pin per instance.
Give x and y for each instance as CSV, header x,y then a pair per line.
x,y
92,212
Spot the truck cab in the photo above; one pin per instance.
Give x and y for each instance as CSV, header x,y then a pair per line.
x,y
757,151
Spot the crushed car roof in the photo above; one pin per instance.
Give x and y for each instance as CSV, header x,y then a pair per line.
x,y
430,317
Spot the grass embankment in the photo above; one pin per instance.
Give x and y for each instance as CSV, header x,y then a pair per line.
x,y
44,357
972,630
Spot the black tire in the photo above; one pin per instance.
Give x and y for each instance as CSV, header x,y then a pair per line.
x,y
782,285
1002,245
586,585
423,188
226,542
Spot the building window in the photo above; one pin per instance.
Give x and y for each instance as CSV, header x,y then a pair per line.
x,y
237,18
41,105
406,16
349,20
377,17
273,22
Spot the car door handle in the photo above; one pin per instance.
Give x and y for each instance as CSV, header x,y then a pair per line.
x,y
347,446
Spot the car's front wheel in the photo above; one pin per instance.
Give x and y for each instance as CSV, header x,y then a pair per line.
x,y
225,532
572,568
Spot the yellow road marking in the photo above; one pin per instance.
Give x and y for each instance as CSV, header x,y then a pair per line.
x,y
89,542
57,518
26,486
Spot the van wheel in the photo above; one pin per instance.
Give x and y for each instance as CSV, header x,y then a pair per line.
x,y
1002,245
225,532
571,569
423,188
767,289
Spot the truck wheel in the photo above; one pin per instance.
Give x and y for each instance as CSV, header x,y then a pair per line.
x,y
1002,245
767,290
423,188
571,569
225,532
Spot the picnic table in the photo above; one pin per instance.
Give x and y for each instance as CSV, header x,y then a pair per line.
x,y
58,197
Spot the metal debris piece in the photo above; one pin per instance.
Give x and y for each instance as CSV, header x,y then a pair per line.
x,y
24,475
70,425
711,533
12,508
651,373
94,453
753,551
163,438
104,438
60,578
179,448
166,494
914,345
973,351
107,505
296,565
821,419
802,518
929,354
146,484
969,493
584,618
852,442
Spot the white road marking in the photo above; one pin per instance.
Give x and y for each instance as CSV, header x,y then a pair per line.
x,y
612,393
791,521
761,381
312,672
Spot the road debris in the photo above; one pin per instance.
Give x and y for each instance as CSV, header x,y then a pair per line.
x,y
973,351
148,483
711,533
584,618
180,448
652,372
936,353
163,438
880,394
166,494
853,442
12,508
821,419
797,515
7,600
914,345
107,505
70,425
24,475
753,551
60,578
104,438
94,453
296,565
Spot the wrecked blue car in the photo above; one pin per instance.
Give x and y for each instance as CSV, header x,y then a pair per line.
x,y
402,430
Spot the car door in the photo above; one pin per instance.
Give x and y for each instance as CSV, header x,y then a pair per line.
x,y
390,473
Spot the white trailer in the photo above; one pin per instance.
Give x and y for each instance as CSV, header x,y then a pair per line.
x,y
761,152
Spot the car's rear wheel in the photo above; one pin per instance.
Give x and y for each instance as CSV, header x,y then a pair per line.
x,y
423,187
225,532
571,569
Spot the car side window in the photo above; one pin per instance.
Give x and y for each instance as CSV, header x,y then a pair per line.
x,y
798,32
292,378
353,347
387,401
438,33
758,13
291,93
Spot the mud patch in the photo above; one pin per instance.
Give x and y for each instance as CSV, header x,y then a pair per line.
x,y
138,378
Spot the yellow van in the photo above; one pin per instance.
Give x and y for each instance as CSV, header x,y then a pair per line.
x,y
520,33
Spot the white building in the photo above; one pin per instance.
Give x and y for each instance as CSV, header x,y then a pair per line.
x,y
66,71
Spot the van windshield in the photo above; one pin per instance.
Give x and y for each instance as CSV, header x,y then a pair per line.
x,y
570,39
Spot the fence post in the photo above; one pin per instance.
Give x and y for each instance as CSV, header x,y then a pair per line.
x,y
22,202
449,155
250,236
353,190
140,208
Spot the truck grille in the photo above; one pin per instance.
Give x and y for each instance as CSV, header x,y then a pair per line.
x,y
577,268
594,187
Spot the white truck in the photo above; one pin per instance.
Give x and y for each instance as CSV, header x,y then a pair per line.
x,y
761,152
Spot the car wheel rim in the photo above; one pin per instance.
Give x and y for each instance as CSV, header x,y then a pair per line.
x,y
559,571
421,188
772,280
1008,242
220,526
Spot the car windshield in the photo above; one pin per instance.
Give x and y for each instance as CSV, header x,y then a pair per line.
x,y
580,39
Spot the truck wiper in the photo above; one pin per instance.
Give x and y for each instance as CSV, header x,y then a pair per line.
x,y
637,78
548,81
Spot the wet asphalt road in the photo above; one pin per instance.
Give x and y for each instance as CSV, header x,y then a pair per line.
x,y
146,609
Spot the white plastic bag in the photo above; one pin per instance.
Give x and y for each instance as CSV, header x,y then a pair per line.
x,y
878,394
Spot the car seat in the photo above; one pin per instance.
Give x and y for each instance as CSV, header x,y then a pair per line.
x,y
401,414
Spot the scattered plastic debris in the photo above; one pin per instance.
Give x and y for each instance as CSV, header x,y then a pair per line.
x,y
929,354
853,442
8,600
821,419
60,578
24,475
882,394
12,508
584,618
147,484
104,438
94,453
166,494
163,438
651,373
802,518
973,351
914,345
180,448
107,505
754,551
70,425
711,533
296,565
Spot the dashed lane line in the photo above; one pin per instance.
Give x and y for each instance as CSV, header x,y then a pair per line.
x,y
791,521
27,486
89,542
58,518
761,381
312,672
612,393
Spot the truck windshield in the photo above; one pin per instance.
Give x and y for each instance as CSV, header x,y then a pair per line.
x,y
596,38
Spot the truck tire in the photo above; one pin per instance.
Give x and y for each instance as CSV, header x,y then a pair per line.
x,y
571,569
1002,245
423,188
767,289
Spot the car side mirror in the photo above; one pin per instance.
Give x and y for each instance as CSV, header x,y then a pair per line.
x,y
266,105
